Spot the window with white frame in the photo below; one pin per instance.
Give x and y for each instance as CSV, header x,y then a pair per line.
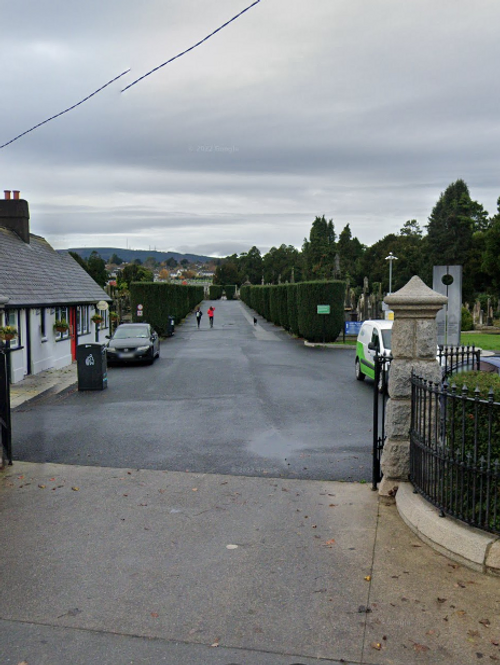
x,y
83,319
43,323
62,315
13,318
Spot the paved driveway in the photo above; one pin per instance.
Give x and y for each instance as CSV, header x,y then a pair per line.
x,y
236,399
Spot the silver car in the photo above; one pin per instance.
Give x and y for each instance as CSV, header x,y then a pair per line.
x,y
133,342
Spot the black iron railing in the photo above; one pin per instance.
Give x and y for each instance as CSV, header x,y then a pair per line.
x,y
455,451
458,358
5,427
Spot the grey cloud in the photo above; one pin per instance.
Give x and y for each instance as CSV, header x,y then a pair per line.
x,y
360,111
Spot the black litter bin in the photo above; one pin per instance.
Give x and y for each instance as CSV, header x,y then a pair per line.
x,y
170,326
92,368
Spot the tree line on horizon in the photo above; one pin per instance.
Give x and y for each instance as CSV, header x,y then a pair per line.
x,y
459,231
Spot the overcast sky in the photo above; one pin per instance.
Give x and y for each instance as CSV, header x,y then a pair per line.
x,y
361,110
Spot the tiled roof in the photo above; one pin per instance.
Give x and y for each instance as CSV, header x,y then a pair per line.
x,y
35,274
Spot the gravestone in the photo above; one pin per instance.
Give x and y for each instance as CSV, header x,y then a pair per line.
x,y
447,280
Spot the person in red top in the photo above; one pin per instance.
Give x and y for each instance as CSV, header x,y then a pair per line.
x,y
210,313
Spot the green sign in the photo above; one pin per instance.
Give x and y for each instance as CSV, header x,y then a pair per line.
x,y
323,309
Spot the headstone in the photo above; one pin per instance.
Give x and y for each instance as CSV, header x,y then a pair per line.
x,y
447,280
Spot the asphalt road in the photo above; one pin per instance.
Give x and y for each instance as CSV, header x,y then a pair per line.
x,y
237,399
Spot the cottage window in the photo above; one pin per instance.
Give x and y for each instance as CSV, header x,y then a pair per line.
x,y
13,318
83,319
62,315
43,323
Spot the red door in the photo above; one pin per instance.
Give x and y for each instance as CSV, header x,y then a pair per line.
x,y
72,331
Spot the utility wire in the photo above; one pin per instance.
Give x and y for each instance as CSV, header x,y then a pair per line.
x,y
66,110
192,47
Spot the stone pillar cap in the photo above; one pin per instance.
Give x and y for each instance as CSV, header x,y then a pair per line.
x,y
416,294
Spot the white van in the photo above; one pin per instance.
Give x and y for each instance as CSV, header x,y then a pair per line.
x,y
374,337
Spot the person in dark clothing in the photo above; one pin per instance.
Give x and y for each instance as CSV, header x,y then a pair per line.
x,y
199,314
211,311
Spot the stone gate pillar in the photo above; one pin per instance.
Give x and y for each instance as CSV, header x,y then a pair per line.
x,y
414,347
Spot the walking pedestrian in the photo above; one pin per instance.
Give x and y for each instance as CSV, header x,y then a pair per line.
x,y
199,314
210,313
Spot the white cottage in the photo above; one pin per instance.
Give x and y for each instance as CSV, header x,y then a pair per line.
x,y
43,286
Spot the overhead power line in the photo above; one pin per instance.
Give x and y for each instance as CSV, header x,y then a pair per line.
x,y
65,110
191,48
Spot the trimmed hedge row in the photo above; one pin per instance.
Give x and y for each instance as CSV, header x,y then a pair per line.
x,y
215,292
230,290
294,307
161,300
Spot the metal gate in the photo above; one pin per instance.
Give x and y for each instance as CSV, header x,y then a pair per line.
x,y
452,360
382,365
5,427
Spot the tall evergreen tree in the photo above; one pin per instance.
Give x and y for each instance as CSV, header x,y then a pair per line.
x,y
450,227
319,250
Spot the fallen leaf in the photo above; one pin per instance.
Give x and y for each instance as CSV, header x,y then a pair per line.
x,y
441,600
461,613
330,542
195,489
473,633
420,648
52,479
368,578
155,615
216,643
332,505
231,547
42,487
460,585
485,622
75,489
376,645
495,642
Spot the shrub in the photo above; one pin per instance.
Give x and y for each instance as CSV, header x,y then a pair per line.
x,y
291,306
215,292
161,300
316,327
472,416
230,290
467,323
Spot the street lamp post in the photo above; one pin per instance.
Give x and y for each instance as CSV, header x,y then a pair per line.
x,y
390,258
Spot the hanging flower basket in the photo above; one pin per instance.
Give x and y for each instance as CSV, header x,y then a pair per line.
x,y
8,332
61,326
97,318
113,316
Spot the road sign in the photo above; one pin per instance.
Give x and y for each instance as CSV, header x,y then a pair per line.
x,y
140,307
323,309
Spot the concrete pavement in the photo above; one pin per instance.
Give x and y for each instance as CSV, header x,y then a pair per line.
x,y
132,566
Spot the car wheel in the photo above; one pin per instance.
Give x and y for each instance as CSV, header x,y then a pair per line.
x,y
357,368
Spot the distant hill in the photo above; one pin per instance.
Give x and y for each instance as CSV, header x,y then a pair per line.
x,y
128,255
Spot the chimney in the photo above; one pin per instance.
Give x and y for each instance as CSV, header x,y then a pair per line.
x,y
15,215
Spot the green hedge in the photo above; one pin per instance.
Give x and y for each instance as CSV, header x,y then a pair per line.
x,y
467,323
291,306
215,292
230,290
294,307
161,300
476,419
316,327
